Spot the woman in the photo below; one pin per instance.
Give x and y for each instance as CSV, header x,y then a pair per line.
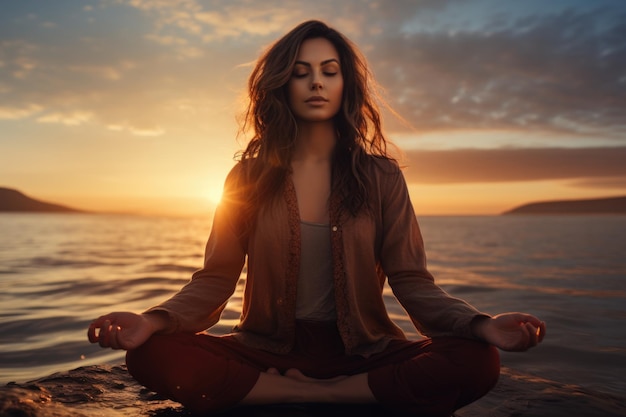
x,y
321,214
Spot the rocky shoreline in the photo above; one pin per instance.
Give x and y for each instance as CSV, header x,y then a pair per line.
x,y
105,390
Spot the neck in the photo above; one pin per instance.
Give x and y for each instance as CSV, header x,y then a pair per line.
x,y
315,141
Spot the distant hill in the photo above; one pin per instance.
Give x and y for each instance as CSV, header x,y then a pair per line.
x,y
13,200
612,205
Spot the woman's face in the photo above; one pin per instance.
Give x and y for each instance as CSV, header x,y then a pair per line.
x,y
316,83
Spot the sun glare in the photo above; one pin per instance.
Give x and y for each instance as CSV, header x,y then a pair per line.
x,y
213,194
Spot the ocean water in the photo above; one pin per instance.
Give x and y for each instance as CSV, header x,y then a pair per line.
x,y
60,271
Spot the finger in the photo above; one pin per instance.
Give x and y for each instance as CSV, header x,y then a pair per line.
x,y
91,333
528,318
113,335
524,340
100,320
105,331
541,332
532,334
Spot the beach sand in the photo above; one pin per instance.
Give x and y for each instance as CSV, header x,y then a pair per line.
x,y
109,391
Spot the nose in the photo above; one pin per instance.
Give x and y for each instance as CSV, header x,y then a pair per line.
x,y
316,82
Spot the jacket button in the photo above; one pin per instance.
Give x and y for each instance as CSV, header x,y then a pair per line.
x,y
334,228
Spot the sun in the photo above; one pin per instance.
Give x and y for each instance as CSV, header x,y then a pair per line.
x,y
210,186
213,194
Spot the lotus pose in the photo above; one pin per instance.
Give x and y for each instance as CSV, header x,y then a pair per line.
x,y
319,211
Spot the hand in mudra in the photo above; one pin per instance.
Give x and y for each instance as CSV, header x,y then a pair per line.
x,y
121,330
514,332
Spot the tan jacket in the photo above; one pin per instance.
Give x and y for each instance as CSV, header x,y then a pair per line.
x,y
383,244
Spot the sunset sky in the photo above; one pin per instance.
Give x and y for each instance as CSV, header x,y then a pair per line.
x,y
132,105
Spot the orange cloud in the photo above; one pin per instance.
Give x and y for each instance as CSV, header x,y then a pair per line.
x,y
502,165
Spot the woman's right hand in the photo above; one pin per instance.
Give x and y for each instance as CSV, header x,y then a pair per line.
x,y
124,330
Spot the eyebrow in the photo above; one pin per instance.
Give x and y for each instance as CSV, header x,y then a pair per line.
x,y
307,64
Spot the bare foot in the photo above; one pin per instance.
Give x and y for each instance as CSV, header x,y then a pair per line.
x,y
297,375
272,371
294,386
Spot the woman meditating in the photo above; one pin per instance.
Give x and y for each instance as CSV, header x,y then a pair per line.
x,y
321,214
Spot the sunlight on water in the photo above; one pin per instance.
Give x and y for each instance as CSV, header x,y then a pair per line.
x,y
58,272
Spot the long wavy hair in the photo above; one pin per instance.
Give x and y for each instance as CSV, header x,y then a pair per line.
x,y
269,117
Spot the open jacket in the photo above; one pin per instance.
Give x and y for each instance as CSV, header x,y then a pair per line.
x,y
382,243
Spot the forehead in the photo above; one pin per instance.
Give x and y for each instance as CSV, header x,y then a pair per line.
x,y
317,50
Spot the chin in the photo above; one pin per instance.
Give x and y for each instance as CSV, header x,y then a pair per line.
x,y
316,118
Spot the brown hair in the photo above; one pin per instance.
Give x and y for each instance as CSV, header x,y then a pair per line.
x,y
274,128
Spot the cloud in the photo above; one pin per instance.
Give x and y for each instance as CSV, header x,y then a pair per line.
x,y
71,119
212,21
106,72
127,62
601,183
559,73
582,165
15,113
138,131
17,57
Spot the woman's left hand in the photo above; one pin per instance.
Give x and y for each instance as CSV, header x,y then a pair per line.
x,y
513,332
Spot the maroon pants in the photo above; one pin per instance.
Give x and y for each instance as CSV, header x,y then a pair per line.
x,y
208,373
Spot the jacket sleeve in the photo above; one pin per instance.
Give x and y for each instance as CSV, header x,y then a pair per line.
x,y
199,304
433,311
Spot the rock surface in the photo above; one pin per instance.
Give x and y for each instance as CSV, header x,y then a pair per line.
x,y
109,391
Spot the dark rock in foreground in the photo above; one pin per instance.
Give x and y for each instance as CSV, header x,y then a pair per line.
x,y
110,391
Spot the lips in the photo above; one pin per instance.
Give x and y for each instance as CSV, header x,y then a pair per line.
x,y
316,99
